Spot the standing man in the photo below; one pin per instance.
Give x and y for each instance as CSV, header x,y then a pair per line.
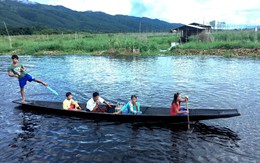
x,y
19,71
93,103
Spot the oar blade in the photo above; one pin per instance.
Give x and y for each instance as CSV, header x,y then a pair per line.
x,y
53,91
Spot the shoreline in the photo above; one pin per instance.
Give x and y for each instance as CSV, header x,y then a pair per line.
x,y
229,53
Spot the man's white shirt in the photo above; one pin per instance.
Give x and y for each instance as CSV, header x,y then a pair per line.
x,y
91,103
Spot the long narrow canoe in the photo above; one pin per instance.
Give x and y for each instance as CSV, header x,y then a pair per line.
x,y
150,114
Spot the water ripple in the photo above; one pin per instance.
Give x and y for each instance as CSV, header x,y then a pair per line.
x,y
210,82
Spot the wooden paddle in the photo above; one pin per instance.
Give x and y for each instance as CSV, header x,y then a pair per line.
x,y
188,114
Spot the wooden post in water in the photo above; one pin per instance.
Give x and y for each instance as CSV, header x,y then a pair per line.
x,y
10,41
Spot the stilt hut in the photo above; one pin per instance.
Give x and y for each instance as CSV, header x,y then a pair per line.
x,y
192,29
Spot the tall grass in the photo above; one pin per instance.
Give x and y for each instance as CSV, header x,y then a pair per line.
x,y
86,43
226,40
146,43
248,36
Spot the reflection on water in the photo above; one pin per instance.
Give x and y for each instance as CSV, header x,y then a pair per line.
x,y
211,82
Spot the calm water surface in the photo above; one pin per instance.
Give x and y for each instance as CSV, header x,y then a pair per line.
x,y
210,82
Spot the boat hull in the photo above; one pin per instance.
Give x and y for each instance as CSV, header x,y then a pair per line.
x,y
150,114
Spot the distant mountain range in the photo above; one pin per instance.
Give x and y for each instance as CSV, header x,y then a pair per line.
x,y
23,13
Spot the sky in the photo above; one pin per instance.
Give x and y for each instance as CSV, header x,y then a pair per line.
x,y
173,11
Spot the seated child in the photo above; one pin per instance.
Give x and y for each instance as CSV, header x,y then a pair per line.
x,y
132,107
69,103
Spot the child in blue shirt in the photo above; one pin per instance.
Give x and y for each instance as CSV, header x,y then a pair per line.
x,y
132,107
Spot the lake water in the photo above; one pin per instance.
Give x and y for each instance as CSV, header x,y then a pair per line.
x,y
210,82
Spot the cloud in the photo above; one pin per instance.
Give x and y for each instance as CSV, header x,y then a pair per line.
x,y
230,11
108,6
138,8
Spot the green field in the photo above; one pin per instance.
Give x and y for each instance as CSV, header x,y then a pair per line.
x,y
228,42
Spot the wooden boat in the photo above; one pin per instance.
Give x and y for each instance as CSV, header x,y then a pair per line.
x,y
150,114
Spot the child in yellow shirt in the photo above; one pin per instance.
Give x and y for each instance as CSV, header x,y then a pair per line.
x,y
69,103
